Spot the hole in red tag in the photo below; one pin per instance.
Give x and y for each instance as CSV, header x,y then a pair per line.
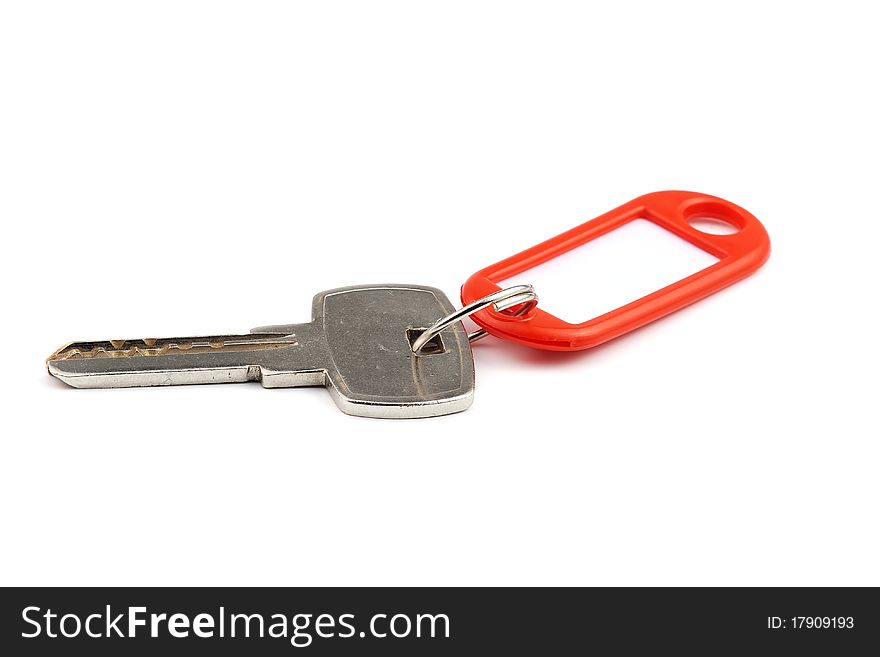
x,y
613,270
712,225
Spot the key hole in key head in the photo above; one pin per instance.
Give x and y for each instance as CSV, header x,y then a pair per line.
x,y
433,346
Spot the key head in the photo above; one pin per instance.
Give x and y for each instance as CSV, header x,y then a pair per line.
x,y
372,371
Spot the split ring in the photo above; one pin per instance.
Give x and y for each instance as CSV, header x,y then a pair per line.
x,y
518,295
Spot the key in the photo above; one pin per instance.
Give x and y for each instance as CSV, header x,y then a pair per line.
x,y
358,345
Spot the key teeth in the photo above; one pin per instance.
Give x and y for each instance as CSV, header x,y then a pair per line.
x,y
59,354
118,348
160,347
72,353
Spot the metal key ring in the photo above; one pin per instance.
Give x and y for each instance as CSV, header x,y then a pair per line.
x,y
518,295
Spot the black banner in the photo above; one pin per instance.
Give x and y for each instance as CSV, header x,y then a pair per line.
x,y
445,621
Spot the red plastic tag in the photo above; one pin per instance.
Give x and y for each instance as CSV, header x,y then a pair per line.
x,y
739,254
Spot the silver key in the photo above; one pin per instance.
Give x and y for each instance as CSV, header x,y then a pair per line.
x,y
358,344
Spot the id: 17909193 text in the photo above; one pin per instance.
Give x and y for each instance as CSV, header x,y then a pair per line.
x,y
810,623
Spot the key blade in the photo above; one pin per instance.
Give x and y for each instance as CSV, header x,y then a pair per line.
x,y
166,361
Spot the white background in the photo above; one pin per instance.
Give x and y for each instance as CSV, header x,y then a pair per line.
x,y
197,167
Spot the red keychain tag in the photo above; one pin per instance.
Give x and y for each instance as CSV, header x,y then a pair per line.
x,y
739,254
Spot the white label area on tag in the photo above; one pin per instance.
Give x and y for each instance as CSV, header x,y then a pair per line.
x,y
613,270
